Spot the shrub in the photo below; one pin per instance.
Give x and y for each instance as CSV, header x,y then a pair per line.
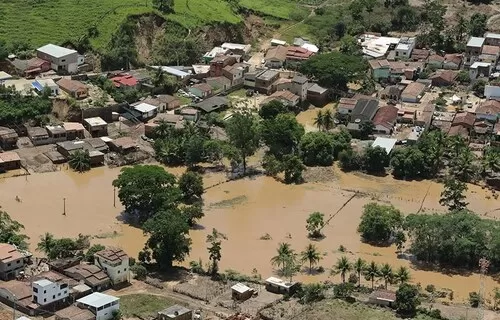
x,y
139,271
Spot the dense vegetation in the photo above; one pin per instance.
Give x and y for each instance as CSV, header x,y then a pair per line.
x,y
10,231
17,109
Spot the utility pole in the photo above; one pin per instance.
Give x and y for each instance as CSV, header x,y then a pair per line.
x,y
483,265
64,206
114,197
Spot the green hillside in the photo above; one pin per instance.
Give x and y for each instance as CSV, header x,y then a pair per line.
x,y
56,21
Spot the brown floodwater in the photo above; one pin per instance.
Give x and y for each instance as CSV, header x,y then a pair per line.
x,y
245,210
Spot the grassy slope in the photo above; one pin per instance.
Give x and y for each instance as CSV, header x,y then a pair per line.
x,y
143,305
275,8
60,20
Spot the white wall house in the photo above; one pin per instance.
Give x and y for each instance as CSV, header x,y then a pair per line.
x,y
115,263
405,48
492,92
45,291
61,59
100,304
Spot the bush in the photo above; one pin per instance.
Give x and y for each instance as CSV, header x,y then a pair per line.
x,y
310,293
343,290
474,299
140,272
197,267
430,288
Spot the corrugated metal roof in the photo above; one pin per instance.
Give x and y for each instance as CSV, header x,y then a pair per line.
x,y
56,51
97,299
386,143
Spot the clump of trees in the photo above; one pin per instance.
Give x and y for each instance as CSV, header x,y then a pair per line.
x,y
315,222
17,109
55,248
321,148
10,231
380,223
214,250
164,207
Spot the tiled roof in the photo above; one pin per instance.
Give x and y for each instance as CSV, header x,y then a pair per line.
x,y
464,118
386,116
112,254
489,107
492,50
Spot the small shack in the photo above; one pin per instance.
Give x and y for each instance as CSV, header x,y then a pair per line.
x,y
96,157
146,110
66,148
176,312
56,133
96,126
38,136
280,286
241,292
123,145
382,297
9,160
74,130
8,138
97,144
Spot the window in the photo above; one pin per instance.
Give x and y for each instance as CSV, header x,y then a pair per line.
x,y
44,291
53,297
35,289
8,264
63,60
65,291
125,269
18,261
44,300
118,271
59,294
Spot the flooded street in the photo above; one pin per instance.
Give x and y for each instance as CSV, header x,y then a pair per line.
x,y
244,210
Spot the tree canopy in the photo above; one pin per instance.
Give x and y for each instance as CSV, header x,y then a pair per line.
x,y
271,109
379,223
10,231
317,149
16,108
282,134
407,300
243,132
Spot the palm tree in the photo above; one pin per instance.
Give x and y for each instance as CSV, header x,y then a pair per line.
x,y
343,266
328,120
372,272
319,120
386,273
80,160
312,255
359,267
491,161
163,129
284,252
46,243
402,275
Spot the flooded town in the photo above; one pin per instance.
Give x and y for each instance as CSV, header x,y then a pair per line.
x,y
253,167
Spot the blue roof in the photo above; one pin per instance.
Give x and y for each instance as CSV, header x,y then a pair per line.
x,y
37,85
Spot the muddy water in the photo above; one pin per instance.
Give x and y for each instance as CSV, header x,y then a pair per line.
x,y
244,210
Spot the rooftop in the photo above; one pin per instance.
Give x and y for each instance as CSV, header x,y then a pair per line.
x,y
491,50
37,132
91,273
277,53
386,116
465,118
299,79
56,51
278,42
203,87
376,46
279,282
436,57
75,313
43,282
215,51
347,103
476,42
173,71
9,156
71,85
489,107
365,108
285,94
414,89
317,89
73,126
125,143
385,143
405,43
492,35
213,103
144,107
236,46
112,254
95,121
55,129
384,295
298,53
125,80
241,288
71,145
97,299
453,57
174,311
9,253
267,75
420,54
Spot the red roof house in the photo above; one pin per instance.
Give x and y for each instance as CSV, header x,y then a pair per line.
x,y
124,80
298,54
385,118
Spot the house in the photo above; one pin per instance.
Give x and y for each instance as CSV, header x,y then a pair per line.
x,y
479,69
46,292
91,275
264,81
413,92
452,61
286,97
192,114
8,138
423,117
280,286
18,294
207,57
56,133
492,39
473,49
382,297
364,110
163,102
101,305
385,119
488,110
492,91
96,126
482,128
317,95
201,90
404,48
30,68
74,88
380,69
435,61
146,110
42,84
123,145
444,78
219,84
299,86
406,115
74,313
385,143
12,261
61,59
219,62
235,73
297,54
74,130
9,160
346,105
67,148
125,81
175,312
458,130
177,72
275,57
376,46
420,54
38,136
391,92
237,48
464,119
490,54
241,292
213,104
115,262
97,144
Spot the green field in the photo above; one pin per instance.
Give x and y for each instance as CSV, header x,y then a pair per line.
x,y
143,305
275,8
57,21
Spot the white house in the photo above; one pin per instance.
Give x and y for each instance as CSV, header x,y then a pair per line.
x,y
477,69
492,92
45,291
146,110
405,47
61,59
100,304
115,263
41,84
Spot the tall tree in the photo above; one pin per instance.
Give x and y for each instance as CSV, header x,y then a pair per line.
x,y
375,159
315,223
290,266
386,273
143,189
328,120
191,186
292,169
372,272
317,149
46,243
284,250
379,222
477,24
342,267
402,275
319,120
453,195
311,255
359,266
243,133
10,231
214,251
282,134
271,109
407,300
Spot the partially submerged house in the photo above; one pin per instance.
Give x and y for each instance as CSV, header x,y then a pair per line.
x,y
8,138
56,133
96,126
115,262
9,160
12,261
38,136
74,130
123,145
91,275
